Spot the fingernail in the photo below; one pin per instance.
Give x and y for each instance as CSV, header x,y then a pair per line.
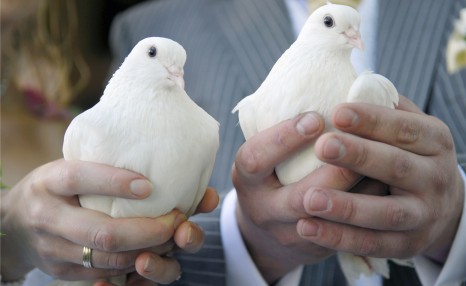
x,y
346,117
190,238
309,228
308,124
319,202
334,149
149,265
140,187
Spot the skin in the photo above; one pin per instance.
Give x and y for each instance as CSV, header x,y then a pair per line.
x,y
390,214
392,188
45,227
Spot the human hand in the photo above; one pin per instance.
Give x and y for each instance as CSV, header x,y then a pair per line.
x,y
414,156
268,212
45,226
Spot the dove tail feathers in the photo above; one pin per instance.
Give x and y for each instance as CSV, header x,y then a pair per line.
x,y
353,266
373,88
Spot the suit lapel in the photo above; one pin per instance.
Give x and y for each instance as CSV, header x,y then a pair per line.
x,y
411,68
257,37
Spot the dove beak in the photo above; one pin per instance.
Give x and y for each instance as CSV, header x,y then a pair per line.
x,y
354,38
176,75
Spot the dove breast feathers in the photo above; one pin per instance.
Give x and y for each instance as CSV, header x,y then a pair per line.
x,y
314,74
158,132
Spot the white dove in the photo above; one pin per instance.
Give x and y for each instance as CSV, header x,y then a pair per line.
x,y
145,122
316,74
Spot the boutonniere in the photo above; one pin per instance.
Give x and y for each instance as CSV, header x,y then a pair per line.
x,y
456,47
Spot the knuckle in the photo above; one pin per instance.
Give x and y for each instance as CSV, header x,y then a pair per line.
x,y
247,159
163,233
412,246
396,216
104,239
373,123
45,252
408,133
114,181
286,239
70,176
37,217
440,180
348,210
59,272
368,246
298,201
119,261
335,239
444,136
362,156
260,220
402,166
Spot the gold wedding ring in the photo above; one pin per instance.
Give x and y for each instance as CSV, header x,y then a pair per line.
x,y
87,257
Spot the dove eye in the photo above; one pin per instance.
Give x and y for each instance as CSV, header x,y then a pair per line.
x,y
152,52
329,22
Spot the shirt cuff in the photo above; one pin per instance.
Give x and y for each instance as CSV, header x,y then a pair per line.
x,y
452,272
240,267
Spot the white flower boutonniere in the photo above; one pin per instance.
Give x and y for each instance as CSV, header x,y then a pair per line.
x,y
456,47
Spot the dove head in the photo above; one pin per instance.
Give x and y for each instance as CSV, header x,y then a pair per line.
x,y
333,26
155,61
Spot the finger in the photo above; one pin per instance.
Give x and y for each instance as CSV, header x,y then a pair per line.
x,y
414,132
78,272
359,241
370,186
286,204
334,177
209,202
69,178
106,234
162,270
407,105
377,160
135,279
391,213
189,237
57,250
257,158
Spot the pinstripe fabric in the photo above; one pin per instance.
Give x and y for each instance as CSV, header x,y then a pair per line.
x,y
448,98
419,71
402,23
326,273
231,46
207,267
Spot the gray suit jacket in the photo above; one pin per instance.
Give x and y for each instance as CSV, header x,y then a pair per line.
x,y
232,45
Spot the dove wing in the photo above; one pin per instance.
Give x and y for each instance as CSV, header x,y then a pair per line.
x,y
85,141
373,88
246,115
